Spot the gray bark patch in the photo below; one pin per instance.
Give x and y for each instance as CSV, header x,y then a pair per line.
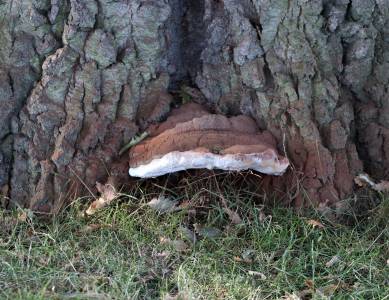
x,y
77,78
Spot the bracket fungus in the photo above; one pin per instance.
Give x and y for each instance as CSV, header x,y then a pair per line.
x,y
193,138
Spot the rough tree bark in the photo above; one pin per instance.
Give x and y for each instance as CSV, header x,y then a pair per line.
x,y
78,78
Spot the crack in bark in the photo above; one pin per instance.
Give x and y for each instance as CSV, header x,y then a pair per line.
x,y
269,60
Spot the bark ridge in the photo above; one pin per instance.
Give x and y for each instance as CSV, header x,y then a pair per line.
x,y
79,78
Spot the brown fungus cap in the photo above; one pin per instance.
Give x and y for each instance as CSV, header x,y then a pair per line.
x,y
193,138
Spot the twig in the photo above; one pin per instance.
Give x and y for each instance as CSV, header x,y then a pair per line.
x,y
83,183
134,141
233,215
224,201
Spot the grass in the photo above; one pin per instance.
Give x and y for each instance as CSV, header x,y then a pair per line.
x,y
130,251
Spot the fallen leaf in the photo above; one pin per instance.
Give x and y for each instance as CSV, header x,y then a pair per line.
x,y
170,297
25,214
162,254
179,296
233,215
326,291
262,216
335,259
108,194
84,295
315,223
22,216
184,204
3,195
188,234
90,228
258,274
164,240
163,204
146,278
309,283
191,212
248,255
179,245
304,294
207,232
291,297
166,271
383,186
364,179
93,227
30,232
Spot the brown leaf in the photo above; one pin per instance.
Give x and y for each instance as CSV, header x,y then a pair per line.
x,y
335,259
246,257
309,283
184,204
44,260
258,274
93,227
163,204
243,260
188,234
233,215
3,195
163,254
383,186
291,297
30,232
22,216
164,240
207,232
315,223
90,228
179,296
108,194
179,245
327,290
262,216
305,293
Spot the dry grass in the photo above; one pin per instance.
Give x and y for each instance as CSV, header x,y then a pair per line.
x,y
130,251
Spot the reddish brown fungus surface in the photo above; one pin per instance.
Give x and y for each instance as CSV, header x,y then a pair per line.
x,y
194,138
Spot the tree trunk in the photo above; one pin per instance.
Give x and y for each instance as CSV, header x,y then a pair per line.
x,y
76,77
